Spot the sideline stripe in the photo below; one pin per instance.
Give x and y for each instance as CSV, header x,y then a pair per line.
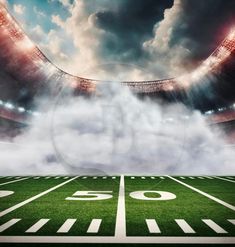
x,y
214,226
232,221
120,227
94,226
204,194
127,240
186,228
8,224
225,179
14,181
152,226
66,226
6,211
37,226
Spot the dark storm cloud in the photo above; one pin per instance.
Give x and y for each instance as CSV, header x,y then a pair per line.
x,y
204,24
200,26
128,26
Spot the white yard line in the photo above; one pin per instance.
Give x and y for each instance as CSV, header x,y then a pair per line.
x,y
66,226
120,227
227,205
215,227
14,181
8,224
225,179
6,211
94,226
232,221
152,226
186,228
37,226
144,240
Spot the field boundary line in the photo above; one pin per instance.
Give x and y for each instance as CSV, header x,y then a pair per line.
x,y
6,211
227,205
91,239
120,227
14,181
225,179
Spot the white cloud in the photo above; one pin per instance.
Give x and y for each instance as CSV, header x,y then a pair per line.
x,y
19,9
172,57
38,12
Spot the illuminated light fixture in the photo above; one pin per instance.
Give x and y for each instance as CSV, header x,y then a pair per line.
x,y
9,106
1,102
21,109
25,44
232,34
234,105
209,112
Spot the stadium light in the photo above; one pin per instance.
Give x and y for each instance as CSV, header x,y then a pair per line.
x,y
9,106
21,109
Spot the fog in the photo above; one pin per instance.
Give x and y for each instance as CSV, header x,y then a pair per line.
x,y
114,132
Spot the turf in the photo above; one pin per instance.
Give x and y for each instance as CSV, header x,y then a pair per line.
x,y
188,205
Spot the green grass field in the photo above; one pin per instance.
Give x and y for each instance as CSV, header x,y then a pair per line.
x,y
161,210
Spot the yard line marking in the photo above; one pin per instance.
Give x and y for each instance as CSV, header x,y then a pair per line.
x,y
127,240
182,177
201,177
225,179
132,177
36,177
84,177
8,224
14,181
120,227
186,228
37,226
230,177
94,226
142,177
66,226
65,177
47,177
209,177
205,194
152,226
94,177
6,211
17,177
57,177
113,177
214,226
162,177
191,177
232,221
104,177
152,177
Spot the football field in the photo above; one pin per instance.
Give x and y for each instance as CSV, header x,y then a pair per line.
x,y
117,209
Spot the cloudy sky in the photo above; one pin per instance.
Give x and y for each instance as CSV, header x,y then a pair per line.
x,y
163,37
160,38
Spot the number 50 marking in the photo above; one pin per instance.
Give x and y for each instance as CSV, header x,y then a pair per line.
x,y
90,196
103,195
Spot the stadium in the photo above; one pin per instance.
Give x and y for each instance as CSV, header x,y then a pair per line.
x,y
105,208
